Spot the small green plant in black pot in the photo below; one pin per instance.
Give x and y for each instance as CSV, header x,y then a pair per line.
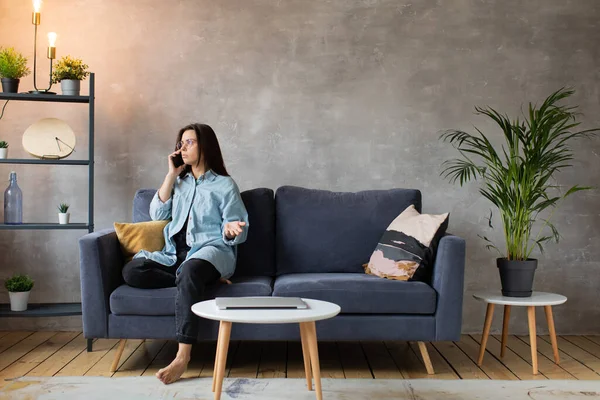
x,y
13,67
518,179
18,287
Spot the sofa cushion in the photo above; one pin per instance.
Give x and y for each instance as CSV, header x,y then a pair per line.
x,y
256,256
126,300
324,231
360,293
141,205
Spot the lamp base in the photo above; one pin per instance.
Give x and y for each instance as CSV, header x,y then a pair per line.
x,y
40,92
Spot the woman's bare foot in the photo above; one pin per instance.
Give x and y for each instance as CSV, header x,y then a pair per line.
x,y
173,371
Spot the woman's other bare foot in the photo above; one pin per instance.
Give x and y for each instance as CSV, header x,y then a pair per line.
x,y
173,371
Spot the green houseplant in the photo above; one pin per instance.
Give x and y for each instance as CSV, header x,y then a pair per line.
x,y
63,215
3,149
518,179
18,287
70,72
13,67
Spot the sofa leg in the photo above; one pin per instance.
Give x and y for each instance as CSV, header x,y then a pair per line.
x,y
115,363
426,359
90,345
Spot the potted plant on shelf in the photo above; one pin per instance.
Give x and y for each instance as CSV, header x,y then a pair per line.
x,y
18,287
518,179
3,149
63,215
70,72
13,67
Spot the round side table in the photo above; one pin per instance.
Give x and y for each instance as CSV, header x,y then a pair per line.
x,y
317,310
537,299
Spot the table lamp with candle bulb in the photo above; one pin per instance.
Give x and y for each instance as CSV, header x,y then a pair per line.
x,y
35,20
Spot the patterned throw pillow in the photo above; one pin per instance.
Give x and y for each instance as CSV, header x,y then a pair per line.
x,y
406,249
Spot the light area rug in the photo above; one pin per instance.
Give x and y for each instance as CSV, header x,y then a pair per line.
x,y
149,388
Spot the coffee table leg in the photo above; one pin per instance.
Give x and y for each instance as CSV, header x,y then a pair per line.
x,y
216,367
532,338
311,329
550,320
486,332
222,347
505,329
306,355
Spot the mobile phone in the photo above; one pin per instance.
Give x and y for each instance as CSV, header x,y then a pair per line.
x,y
178,160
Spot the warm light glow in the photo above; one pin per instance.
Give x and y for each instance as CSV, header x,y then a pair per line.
x,y
37,5
52,39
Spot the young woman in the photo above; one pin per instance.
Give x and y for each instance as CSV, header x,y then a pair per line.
x,y
208,219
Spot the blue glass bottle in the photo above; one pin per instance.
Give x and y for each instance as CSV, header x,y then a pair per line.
x,y
13,202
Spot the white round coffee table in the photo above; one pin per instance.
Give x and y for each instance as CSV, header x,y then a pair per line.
x,y
317,310
537,299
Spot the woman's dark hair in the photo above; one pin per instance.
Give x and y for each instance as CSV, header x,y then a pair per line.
x,y
208,145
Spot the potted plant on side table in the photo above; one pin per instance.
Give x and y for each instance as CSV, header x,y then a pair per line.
x,y
13,67
3,149
517,179
63,215
18,287
70,72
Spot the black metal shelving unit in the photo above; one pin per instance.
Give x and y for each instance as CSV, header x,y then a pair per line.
x,y
56,309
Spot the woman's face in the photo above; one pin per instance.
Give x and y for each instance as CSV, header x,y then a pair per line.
x,y
189,149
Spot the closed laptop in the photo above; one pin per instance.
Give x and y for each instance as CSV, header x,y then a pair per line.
x,y
249,303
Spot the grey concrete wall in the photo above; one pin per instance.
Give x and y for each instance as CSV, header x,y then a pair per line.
x,y
340,95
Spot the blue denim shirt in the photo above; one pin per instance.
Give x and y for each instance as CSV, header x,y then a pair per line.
x,y
208,202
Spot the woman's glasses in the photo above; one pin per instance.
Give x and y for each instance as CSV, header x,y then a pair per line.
x,y
188,142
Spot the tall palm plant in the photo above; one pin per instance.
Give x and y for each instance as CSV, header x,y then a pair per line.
x,y
518,178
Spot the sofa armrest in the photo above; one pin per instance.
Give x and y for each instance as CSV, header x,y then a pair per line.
x,y
448,281
100,263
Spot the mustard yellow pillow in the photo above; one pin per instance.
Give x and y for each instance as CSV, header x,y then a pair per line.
x,y
134,237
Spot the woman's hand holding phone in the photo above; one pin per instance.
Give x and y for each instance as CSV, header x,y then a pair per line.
x,y
164,193
176,164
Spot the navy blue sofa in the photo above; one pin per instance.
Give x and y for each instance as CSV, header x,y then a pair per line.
x,y
302,243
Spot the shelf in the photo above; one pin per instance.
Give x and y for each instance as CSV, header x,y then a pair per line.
x,y
42,310
55,309
42,161
46,226
53,98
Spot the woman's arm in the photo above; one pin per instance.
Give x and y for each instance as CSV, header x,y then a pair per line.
x,y
164,193
160,207
235,218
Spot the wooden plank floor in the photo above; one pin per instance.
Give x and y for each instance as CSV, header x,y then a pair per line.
x,y
64,354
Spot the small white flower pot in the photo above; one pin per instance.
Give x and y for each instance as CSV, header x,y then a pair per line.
x,y
70,87
63,218
4,152
18,300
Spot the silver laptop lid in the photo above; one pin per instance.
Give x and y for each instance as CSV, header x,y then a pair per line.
x,y
233,303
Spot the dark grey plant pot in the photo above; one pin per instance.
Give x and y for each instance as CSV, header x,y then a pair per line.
x,y
10,85
516,276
